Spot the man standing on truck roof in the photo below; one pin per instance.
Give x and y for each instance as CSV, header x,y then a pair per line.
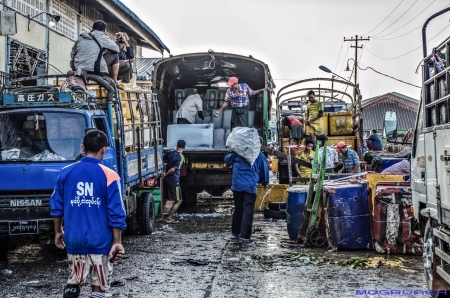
x,y
349,158
88,196
314,111
192,105
95,52
174,160
238,95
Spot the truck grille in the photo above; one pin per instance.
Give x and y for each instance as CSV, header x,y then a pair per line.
x,y
14,200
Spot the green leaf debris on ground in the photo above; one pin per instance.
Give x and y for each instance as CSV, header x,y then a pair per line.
x,y
293,258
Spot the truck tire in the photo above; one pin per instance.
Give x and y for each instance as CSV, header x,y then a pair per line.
x,y
269,213
146,214
434,280
4,248
277,206
132,224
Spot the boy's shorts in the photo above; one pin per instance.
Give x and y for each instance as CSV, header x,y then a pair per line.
x,y
174,193
98,266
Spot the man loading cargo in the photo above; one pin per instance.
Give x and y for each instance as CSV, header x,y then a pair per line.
x,y
349,158
238,95
314,111
192,105
296,129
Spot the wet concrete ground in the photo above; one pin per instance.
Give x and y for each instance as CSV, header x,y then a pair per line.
x,y
195,259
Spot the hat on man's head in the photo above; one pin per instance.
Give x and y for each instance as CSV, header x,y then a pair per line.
x,y
99,25
340,145
232,81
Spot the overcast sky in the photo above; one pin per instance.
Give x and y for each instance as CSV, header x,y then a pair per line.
x,y
294,37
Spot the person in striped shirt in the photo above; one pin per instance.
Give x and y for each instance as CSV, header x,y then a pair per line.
x,y
238,96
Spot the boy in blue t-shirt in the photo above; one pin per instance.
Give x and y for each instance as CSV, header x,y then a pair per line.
x,y
173,160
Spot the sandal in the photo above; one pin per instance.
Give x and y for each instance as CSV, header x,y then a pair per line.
x,y
160,219
173,221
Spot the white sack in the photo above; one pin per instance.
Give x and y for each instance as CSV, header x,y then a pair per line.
x,y
245,142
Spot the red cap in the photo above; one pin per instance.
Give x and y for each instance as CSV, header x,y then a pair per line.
x,y
340,145
232,81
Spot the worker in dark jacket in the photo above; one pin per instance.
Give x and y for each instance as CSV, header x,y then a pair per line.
x,y
126,56
246,177
374,142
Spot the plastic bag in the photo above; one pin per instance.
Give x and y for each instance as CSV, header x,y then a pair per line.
x,y
244,141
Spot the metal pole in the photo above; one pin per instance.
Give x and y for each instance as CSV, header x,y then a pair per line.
x,y
332,87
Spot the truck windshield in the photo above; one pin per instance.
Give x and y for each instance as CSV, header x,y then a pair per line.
x,y
41,137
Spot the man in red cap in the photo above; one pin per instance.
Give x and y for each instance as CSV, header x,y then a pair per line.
x,y
238,95
349,158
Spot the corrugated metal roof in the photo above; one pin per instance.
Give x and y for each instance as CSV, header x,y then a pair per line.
x,y
374,109
144,68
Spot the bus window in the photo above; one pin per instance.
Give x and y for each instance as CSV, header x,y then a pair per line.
x,y
442,86
430,92
443,113
431,113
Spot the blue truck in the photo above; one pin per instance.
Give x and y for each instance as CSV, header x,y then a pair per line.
x,y
41,131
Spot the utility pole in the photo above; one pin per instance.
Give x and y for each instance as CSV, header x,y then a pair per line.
x,y
357,109
356,39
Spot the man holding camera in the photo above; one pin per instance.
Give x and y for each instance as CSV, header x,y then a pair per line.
x,y
126,54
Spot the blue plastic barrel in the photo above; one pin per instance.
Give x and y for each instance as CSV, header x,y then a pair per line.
x,y
348,215
294,208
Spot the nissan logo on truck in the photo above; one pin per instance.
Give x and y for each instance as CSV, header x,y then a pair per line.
x,y
26,203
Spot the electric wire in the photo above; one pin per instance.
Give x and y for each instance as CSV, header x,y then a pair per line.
x,y
396,19
391,58
339,56
387,76
403,34
384,18
407,22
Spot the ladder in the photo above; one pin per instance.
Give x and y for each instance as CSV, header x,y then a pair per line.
x,y
308,233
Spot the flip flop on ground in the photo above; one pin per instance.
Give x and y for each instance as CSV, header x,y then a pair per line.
x,y
172,221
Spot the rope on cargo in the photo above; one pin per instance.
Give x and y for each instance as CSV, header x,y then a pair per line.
x,y
213,59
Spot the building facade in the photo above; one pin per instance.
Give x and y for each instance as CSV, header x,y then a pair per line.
x,y
38,49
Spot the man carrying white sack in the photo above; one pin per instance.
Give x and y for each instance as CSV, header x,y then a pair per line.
x,y
249,169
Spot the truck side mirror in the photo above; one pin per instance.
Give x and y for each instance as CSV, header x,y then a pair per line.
x,y
390,125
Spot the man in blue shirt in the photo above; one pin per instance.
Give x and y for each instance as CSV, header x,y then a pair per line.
x,y
174,160
238,95
89,198
245,178
349,158
374,142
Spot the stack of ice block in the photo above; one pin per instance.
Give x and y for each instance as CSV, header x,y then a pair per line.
x,y
195,135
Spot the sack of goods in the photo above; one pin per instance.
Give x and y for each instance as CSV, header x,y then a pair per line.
x,y
244,141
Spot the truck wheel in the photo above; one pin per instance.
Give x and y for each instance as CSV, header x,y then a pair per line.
x,y
132,225
146,214
4,248
434,281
